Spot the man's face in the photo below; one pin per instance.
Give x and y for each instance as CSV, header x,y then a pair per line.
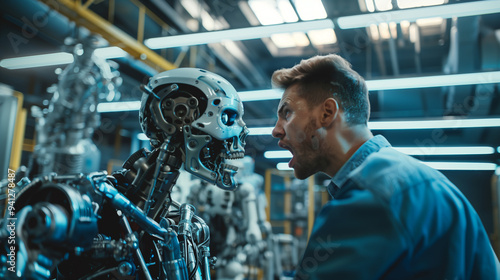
x,y
299,132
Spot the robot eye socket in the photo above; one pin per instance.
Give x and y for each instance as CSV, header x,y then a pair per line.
x,y
228,117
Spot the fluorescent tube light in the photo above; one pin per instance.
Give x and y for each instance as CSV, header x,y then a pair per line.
x,y
37,60
473,8
107,107
486,166
258,95
283,166
110,52
56,58
386,84
253,131
414,151
395,125
434,124
427,151
278,154
472,166
248,33
399,83
435,81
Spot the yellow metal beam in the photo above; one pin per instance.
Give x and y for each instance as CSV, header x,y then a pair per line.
x,y
140,25
17,141
310,217
115,36
287,197
268,193
111,11
88,3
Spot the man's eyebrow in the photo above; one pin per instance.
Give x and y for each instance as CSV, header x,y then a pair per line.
x,y
281,107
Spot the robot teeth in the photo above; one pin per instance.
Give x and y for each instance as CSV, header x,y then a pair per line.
x,y
233,155
230,167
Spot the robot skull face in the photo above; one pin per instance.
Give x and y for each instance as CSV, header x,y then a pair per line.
x,y
200,112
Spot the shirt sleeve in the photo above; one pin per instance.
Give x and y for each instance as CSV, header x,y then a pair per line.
x,y
355,237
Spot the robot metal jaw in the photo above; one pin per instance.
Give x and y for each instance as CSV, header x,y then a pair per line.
x,y
206,158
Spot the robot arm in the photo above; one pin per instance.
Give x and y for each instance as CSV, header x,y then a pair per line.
x,y
248,198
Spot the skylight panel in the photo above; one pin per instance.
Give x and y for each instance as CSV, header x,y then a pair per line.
x,y
383,5
287,11
266,12
405,4
290,40
192,7
322,37
284,40
310,9
370,6
429,21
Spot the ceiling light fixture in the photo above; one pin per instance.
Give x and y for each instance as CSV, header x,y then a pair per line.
x,y
435,124
413,151
56,58
401,125
435,81
238,34
283,166
442,151
110,52
385,84
402,83
464,166
445,11
37,60
108,107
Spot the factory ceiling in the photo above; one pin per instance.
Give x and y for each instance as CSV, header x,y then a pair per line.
x,y
385,51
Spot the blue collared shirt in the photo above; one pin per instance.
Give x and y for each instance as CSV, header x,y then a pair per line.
x,y
392,217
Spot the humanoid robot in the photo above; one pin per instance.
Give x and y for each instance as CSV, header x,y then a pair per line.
x,y
125,225
241,235
64,130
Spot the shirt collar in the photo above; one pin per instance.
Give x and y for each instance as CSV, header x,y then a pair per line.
x,y
371,146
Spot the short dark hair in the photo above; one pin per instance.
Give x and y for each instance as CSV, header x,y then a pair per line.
x,y
322,77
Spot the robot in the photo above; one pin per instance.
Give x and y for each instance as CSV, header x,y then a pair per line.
x,y
242,236
64,130
125,225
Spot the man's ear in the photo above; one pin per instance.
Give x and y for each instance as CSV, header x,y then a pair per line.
x,y
330,111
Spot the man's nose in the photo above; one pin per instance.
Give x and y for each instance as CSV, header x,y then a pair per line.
x,y
278,131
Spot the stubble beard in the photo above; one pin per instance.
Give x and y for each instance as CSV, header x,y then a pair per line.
x,y
311,160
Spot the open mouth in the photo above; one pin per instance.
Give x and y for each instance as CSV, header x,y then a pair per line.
x,y
215,157
291,163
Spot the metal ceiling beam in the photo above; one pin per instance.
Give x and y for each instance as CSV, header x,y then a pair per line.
x,y
82,16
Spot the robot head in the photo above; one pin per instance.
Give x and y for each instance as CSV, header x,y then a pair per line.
x,y
200,113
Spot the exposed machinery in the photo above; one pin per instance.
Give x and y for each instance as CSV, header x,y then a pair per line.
x,y
64,130
125,225
242,239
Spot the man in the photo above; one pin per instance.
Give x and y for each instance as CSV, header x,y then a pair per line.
x,y
391,216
